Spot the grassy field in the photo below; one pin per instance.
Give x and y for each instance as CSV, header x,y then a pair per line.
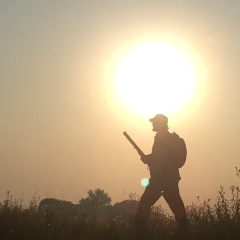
x,y
207,220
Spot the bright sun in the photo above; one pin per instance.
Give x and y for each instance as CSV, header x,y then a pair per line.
x,y
155,78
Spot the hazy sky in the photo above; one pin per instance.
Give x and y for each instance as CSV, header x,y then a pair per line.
x,y
61,134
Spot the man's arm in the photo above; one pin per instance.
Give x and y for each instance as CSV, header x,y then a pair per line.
x,y
146,159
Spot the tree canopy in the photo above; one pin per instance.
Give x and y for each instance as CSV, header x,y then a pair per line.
x,y
96,199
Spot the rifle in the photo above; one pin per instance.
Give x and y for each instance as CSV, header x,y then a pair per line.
x,y
140,152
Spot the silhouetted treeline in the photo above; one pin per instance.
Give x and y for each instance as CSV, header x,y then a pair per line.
x,y
96,204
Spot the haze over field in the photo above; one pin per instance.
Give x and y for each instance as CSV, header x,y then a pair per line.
x,y
61,120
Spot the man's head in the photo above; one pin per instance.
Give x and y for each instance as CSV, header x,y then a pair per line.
x,y
159,122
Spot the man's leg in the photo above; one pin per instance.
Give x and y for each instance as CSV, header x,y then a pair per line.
x,y
151,194
172,196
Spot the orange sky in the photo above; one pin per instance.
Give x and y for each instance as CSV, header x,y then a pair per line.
x,y
60,133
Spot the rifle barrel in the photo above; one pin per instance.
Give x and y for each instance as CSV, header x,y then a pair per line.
x,y
140,152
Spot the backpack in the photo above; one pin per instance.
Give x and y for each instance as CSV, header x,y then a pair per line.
x,y
179,149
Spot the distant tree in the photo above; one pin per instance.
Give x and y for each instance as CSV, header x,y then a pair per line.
x,y
127,208
95,201
55,205
133,197
85,204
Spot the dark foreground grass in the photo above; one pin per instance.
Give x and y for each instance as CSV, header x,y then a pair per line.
x,y
213,221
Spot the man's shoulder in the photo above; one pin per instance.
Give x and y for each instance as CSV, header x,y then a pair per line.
x,y
163,136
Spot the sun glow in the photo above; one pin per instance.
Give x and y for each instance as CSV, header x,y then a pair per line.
x,y
155,78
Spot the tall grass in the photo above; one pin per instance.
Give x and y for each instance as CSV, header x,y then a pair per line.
x,y
207,220
218,221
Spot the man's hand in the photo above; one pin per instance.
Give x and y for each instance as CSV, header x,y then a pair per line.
x,y
146,158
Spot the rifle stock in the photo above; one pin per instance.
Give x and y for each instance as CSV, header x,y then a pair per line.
x,y
140,152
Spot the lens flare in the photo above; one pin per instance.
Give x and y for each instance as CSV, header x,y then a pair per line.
x,y
145,182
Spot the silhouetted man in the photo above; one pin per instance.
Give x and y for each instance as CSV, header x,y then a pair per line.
x,y
164,178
